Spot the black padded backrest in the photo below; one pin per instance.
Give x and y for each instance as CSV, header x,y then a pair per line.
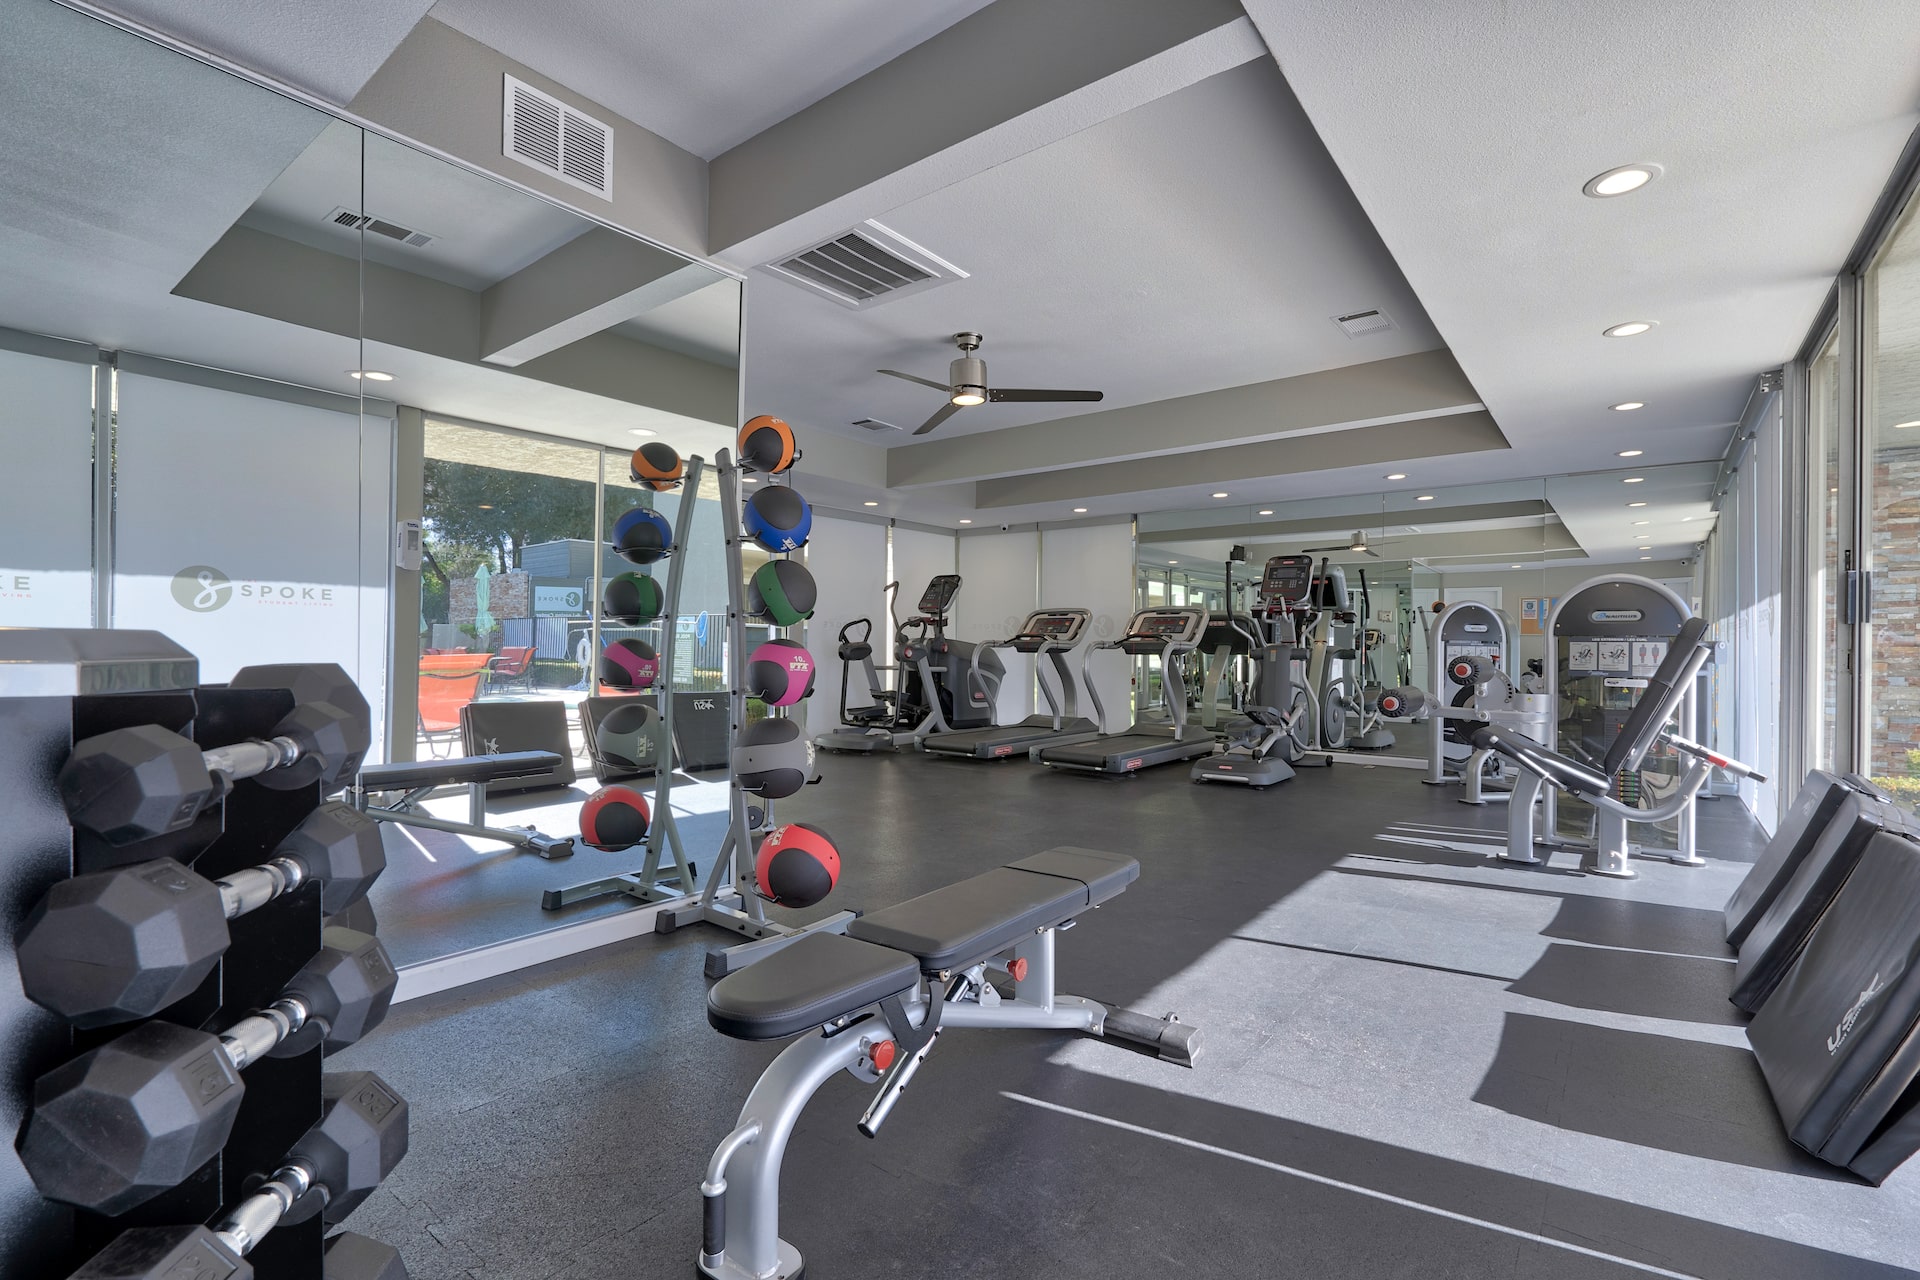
x,y
489,728
1813,809
1662,695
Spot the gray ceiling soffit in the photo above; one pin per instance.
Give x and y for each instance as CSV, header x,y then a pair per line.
x,y
1394,442
1472,544
1002,82
1360,516
587,285
1404,388
251,271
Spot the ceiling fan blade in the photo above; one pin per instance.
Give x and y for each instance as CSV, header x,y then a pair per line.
x,y
999,394
941,387
1370,551
940,415
1311,550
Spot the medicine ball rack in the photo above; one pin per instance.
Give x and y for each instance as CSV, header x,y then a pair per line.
x,y
729,900
651,883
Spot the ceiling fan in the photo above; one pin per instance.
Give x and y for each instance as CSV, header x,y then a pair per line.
x,y
1357,543
966,385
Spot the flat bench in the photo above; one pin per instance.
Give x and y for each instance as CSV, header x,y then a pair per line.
x,y
878,998
415,780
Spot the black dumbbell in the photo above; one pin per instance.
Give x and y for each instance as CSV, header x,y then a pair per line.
x,y
360,1138
119,1124
111,946
145,781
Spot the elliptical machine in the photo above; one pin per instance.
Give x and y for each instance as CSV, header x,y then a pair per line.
x,y
927,667
1277,732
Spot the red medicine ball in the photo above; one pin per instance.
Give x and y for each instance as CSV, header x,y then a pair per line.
x,y
614,818
797,865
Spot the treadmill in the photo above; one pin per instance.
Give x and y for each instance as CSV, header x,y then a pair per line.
x,y
1053,632
1165,633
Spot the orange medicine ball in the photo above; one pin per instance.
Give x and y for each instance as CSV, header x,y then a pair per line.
x,y
658,464
766,444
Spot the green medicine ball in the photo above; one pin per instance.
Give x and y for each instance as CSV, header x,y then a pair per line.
x,y
632,599
783,591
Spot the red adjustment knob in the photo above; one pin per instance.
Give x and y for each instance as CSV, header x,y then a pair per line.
x,y
883,1054
1018,968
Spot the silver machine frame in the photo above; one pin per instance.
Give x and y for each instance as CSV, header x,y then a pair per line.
x,y
741,1190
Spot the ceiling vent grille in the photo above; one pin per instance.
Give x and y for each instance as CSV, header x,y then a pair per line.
x,y
874,424
541,131
1362,323
354,220
865,266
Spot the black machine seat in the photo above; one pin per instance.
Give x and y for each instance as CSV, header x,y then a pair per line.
x,y
812,982
409,775
855,651
1562,771
968,922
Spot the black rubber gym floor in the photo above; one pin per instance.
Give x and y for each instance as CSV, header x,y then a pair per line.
x,y
1419,1063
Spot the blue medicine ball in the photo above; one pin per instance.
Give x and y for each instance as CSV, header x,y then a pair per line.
x,y
778,518
642,536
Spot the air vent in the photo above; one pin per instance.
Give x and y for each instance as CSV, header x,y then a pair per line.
x,y
1362,323
541,131
353,220
874,424
866,266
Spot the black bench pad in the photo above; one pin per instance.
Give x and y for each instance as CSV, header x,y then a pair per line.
x,y
976,919
405,775
805,985
1563,772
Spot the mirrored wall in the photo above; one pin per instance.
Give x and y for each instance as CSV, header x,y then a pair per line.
x,y
243,342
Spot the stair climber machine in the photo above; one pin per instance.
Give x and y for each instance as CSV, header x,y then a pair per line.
x,y
1470,643
1050,632
926,698
1165,633
1276,732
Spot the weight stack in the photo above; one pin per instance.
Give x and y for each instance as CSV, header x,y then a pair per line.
x,y
58,687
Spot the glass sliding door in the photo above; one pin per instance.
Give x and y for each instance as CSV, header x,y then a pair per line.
x,y
1891,437
1827,663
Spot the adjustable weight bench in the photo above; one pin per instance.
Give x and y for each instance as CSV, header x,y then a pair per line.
x,y
1645,726
418,779
876,999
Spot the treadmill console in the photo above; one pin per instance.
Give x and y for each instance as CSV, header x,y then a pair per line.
x,y
1051,628
1286,583
938,597
1151,630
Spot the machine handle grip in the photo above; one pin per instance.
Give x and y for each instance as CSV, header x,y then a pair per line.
x,y
1712,757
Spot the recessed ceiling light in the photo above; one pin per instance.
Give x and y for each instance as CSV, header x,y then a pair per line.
x,y
1629,453
1643,522
1173,562
1684,519
966,522
1628,406
1634,480
371,375
1617,182
1513,566
1902,426
1079,511
1219,495
1835,489
1636,504
1398,475
641,431
869,504
1628,329
1425,497
1646,557
1266,511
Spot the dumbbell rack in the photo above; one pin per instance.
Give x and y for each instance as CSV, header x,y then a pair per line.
x,y
729,900
269,945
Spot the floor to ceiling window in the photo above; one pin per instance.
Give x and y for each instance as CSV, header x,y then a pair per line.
x,y
1891,411
1823,595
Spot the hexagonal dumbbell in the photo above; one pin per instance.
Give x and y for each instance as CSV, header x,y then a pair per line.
x,y
145,781
360,1138
120,1124
112,946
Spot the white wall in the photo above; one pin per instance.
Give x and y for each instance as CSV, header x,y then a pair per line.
x,y
253,530
1000,575
848,560
1092,567
46,521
